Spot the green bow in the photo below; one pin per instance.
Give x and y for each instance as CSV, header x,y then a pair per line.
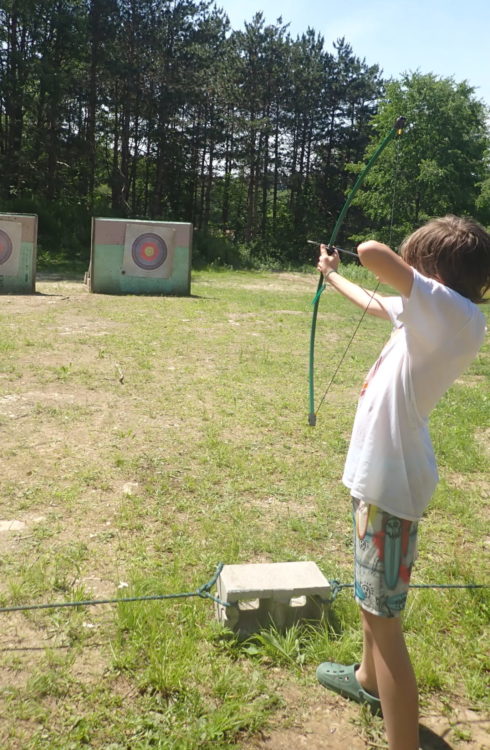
x,y
396,130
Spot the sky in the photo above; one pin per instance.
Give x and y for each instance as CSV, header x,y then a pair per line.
x,y
450,39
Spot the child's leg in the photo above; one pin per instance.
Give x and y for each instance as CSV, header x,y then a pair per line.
x,y
384,551
384,554
366,674
385,649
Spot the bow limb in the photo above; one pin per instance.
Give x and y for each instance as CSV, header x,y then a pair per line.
x,y
396,130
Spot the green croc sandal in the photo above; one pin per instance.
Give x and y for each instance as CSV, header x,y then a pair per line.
x,y
343,681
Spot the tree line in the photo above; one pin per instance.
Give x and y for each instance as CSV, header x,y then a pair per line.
x,y
158,109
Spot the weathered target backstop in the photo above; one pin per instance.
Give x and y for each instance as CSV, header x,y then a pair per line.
x,y
18,247
129,256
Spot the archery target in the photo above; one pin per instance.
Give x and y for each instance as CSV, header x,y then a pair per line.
x,y
5,247
10,241
148,250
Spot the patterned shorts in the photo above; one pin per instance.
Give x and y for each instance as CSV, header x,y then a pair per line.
x,y
385,548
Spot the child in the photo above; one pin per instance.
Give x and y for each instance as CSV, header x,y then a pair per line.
x,y
442,271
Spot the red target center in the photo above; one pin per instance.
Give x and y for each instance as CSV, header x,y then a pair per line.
x,y
149,251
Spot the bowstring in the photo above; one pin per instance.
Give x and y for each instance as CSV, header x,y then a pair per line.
x,y
394,183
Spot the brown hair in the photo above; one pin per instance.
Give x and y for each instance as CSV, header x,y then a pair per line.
x,y
454,250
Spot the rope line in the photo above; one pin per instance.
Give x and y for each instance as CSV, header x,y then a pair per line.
x,y
337,587
203,592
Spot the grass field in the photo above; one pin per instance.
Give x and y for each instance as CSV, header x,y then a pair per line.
x,y
147,439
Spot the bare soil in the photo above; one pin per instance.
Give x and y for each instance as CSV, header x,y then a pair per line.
x,y
317,720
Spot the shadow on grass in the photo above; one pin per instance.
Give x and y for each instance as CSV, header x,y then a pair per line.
x,y
429,740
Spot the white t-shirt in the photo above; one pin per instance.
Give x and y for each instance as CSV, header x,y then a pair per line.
x,y
390,462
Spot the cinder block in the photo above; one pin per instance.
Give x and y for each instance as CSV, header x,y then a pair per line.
x,y
265,594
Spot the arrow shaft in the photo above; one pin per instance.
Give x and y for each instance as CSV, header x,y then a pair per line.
x,y
339,249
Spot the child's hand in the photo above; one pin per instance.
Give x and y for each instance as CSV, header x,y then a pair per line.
x,y
327,262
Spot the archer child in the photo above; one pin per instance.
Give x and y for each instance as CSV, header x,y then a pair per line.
x,y
441,274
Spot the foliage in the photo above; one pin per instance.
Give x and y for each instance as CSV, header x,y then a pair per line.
x,y
159,110
439,164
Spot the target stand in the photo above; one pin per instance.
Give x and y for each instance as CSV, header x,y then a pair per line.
x,y
18,243
140,257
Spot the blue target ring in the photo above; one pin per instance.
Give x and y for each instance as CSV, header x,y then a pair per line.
x,y
5,247
149,251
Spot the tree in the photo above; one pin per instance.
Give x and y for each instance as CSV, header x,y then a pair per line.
x,y
438,165
349,99
17,57
153,108
259,91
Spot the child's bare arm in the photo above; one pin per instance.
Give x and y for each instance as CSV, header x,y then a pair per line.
x,y
366,300
387,265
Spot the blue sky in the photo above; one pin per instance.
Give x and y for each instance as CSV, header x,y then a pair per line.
x,y
449,39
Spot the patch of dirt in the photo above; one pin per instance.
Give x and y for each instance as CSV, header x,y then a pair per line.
x,y
315,719
280,282
310,719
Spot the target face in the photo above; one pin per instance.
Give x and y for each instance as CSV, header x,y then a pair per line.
x,y
149,251
6,247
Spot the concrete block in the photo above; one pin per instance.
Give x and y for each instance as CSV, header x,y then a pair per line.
x,y
265,594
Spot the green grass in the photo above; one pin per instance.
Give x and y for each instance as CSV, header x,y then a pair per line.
x,y
147,439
